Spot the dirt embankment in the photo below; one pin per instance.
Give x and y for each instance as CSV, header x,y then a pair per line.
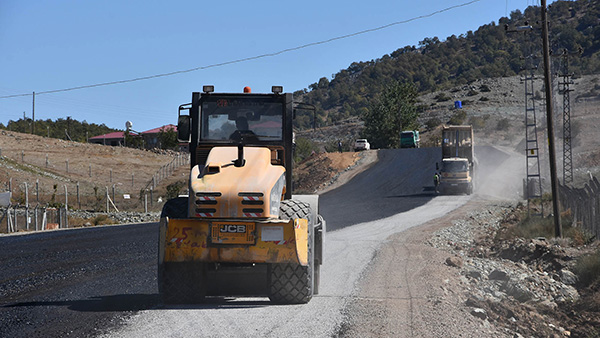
x,y
54,165
325,171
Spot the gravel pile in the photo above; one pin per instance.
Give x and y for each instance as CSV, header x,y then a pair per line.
x,y
119,217
491,279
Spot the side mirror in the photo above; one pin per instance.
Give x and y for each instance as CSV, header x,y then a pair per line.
x,y
183,128
183,123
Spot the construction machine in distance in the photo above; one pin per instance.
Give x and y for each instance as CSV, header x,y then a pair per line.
x,y
240,231
456,171
409,139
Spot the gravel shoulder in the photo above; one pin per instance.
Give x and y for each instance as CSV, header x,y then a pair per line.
x,y
409,290
454,277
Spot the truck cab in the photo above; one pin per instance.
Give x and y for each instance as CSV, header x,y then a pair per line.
x,y
455,176
456,168
409,139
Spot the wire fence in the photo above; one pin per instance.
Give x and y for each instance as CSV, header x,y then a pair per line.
x,y
584,204
26,206
17,218
167,170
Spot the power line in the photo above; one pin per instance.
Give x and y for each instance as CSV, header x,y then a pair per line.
x,y
287,50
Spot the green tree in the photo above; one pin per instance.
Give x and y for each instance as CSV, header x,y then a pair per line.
x,y
304,148
395,110
167,136
133,140
78,131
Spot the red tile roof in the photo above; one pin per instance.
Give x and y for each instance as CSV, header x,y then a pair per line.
x,y
115,134
157,130
119,134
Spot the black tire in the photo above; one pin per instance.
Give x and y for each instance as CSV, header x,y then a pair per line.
x,y
180,282
175,208
293,283
183,282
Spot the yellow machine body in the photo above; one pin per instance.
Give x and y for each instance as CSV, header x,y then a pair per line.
x,y
222,190
233,214
260,242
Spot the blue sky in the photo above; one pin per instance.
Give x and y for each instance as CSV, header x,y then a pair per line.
x,y
50,45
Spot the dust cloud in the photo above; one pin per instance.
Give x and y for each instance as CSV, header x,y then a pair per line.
x,y
499,173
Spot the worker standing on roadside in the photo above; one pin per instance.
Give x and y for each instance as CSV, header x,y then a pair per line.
x,y
436,181
340,146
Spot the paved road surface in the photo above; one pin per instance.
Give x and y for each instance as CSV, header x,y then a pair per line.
x,y
72,282
102,281
401,180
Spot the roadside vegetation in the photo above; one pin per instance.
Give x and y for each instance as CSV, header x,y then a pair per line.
x,y
60,128
73,130
586,265
532,227
587,268
75,222
394,111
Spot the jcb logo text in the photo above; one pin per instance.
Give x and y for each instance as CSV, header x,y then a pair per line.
x,y
233,228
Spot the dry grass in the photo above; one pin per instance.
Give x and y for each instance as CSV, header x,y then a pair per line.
x,y
98,220
587,268
531,227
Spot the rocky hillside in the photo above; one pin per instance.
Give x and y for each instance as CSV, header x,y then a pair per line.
x,y
496,109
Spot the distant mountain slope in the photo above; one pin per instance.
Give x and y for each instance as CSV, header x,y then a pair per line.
x,y
489,52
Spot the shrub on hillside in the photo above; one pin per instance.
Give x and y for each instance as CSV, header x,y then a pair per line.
x,y
503,124
477,122
458,118
102,219
484,88
587,268
441,97
173,189
304,148
432,123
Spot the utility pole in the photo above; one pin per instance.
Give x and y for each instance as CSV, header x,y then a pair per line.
x,y
549,118
69,127
33,115
567,149
532,186
564,89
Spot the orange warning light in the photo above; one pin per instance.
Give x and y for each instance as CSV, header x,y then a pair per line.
x,y
247,89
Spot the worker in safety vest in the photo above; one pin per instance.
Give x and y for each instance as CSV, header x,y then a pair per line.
x,y
436,181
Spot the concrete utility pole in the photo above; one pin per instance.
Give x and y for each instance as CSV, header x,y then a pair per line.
x,y
550,122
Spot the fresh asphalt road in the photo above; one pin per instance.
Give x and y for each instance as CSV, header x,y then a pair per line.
x,y
76,282
401,180
102,281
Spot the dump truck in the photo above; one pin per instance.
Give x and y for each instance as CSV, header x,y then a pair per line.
x,y
409,139
456,168
239,231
